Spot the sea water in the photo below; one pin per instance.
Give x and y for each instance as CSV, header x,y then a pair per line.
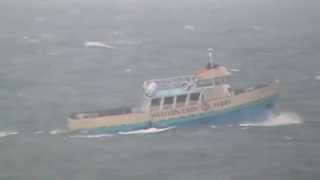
x,y
65,56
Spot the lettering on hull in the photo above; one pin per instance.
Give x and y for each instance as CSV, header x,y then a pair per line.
x,y
175,112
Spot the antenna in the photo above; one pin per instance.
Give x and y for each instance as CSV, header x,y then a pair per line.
x,y
210,52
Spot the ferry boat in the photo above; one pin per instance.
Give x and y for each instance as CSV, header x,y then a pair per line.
x,y
202,97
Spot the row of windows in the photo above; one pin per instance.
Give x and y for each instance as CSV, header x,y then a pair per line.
x,y
181,99
209,82
204,82
222,103
220,80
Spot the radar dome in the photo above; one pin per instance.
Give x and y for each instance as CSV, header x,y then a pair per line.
x,y
151,89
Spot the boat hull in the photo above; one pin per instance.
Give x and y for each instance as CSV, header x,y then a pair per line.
x,y
253,111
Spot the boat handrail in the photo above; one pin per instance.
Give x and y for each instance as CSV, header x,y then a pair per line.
x,y
244,90
169,83
108,112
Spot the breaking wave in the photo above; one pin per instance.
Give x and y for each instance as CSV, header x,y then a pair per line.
x,y
8,133
317,77
91,136
146,131
282,119
189,28
98,44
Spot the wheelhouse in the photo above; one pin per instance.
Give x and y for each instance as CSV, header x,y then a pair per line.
x,y
176,101
210,82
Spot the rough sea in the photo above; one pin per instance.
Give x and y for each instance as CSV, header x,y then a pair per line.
x,y
63,56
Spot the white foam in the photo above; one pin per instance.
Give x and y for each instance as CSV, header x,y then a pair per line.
x,y
235,70
13,133
317,77
98,44
91,136
146,131
38,132
279,120
8,133
56,131
213,126
128,70
3,134
257,28
189,28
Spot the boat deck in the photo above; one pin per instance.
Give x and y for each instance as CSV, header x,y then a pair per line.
x,y
108,112
170,83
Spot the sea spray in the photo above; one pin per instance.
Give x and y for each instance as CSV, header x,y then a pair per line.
x,y
285,118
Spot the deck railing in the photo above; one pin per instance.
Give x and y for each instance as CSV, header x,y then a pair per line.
x,y
170,83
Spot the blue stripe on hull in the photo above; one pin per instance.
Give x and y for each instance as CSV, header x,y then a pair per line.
x,y
115,129
237,114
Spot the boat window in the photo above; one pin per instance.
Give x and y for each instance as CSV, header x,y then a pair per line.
x,y
194,96
217,81
220,80
168,100
155,102
181,98
204,82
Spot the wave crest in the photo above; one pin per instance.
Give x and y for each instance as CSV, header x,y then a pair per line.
x,y
98,44
8,133
146,131
189,28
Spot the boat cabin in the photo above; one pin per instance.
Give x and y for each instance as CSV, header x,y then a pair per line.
x,y
210,82
172,93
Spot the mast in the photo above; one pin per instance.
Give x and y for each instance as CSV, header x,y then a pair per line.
x,y
210,52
